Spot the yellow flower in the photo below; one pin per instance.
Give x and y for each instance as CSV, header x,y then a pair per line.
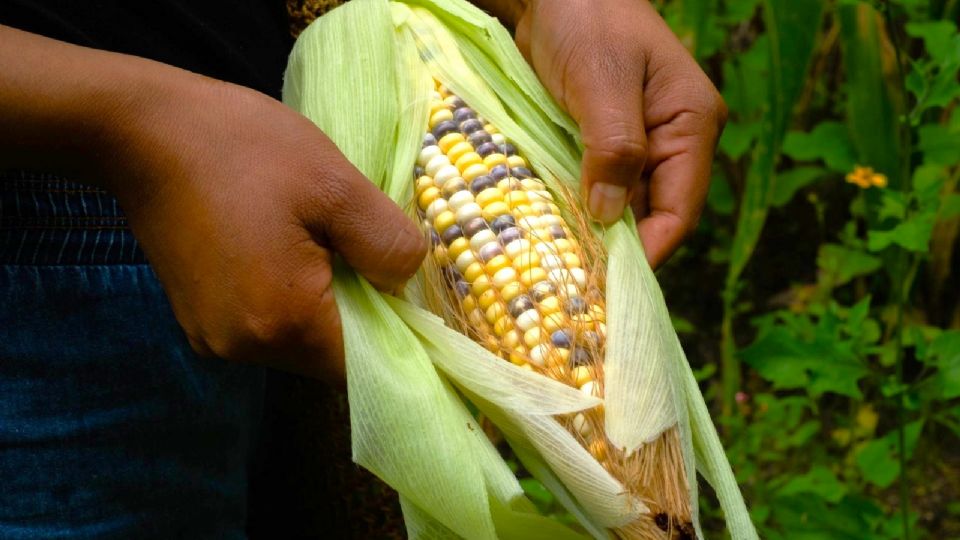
x,y
866,177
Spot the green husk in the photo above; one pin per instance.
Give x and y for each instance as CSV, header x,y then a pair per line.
x,y
363,74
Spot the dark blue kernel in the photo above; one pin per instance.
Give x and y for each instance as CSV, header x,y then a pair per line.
x,y
576,306
562,338
508,149
481,183
429,140
486,149
474,226
502,222
463,288
451,274
499,172
478,137
579,357
463,114
521,172
591,339
452,233
434,237
418,171
455,101
471,125
556,231
444,128
509,235
519,304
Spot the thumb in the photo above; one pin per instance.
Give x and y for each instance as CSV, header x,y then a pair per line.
x,y
607,103
372,234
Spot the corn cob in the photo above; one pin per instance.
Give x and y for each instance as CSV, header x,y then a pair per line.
x,y
519,281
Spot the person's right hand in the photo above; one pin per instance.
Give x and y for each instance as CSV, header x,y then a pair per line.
x,y
240,204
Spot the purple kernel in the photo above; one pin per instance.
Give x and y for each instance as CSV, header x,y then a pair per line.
x,y
463,288
541,292
463,114
450,234
471,125
481,183
521,172
434,237
429,140
561,338
418,171
556,231
486,149
456,102
474,226
489,251
576,306
509,235
519,304
508,149
579,357
478,137
444,128
499,172
591,339
502,222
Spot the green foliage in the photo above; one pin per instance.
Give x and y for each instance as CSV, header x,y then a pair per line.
x,y
837,379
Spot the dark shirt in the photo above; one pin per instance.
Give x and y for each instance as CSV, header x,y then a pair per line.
x,y
241,41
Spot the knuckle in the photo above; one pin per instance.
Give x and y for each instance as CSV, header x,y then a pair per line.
x,y
622,149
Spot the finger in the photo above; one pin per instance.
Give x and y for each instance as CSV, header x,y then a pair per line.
x,y
606,100
364,226
681,154
522,36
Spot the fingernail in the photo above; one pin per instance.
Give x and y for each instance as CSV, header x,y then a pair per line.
x,y
606,201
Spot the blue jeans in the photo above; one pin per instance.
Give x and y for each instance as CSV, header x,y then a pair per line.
x,y
110,426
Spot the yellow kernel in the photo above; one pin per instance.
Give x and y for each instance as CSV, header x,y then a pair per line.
x,y
554,322
468,159
495,264
474,171
490,128
493,160
581,375
557,359
457,247
504,276
458,150
509,184
522,211
481,284
476,319
450,101
494,209
527,367
549,305
598,314
423,183
564,245
541,234
428,196
533,275
515,198
488,298
525,260
474,271
437,106
531,338
494,311
554,209
440,253
488,196
571,260
511,291
516,161
440,116
511,339
444,220
469,303
503,325
449,140
491,344
531,184
518,358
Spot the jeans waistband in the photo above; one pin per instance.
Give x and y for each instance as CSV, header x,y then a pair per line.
x,y
49,220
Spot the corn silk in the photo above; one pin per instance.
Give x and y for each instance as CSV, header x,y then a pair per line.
x,y
364,74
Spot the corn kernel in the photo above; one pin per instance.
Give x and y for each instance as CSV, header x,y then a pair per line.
x,y
571,260
525,260
518,358
488,196
493,160
458,246
581,375
468,159
504,277
435,164
466,259
479,285
511,340
423,183
538,354
503,325
428,196
447,141
511,291
476,319
516,198
557,359
509,184
474,171
517,247
581,425
444,220
531,338
516,161
497,263
549,305
474,271
440,116
488,298
494,209
482,238
437,106
427,154
494,311
458,150
554,322
532,276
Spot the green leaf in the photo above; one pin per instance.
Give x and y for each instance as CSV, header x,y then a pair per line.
x,y
913,234
940,144
828,141
819,481
878,460
944,353
789,182
940,38
720,198
951,206
840,264
738,137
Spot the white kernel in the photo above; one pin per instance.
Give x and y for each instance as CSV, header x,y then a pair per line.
x,y
559,275
468,211
435,96
516,248
428,153
465,259
549,220
436,208
498,138
551,261
529,222
482,238
581,425
545,195
460,198
435,164
546,248
538,354
528,319
579,276
571,290
589,388
532,184
445,173
504,277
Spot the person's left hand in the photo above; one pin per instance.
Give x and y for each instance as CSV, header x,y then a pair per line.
x,y
649,116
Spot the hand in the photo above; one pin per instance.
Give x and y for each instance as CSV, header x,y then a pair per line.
x,y
649,116
247,202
